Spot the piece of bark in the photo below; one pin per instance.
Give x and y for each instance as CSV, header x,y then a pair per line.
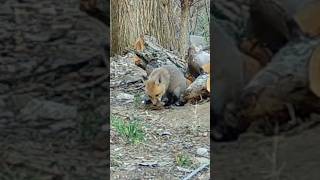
x,y
138,46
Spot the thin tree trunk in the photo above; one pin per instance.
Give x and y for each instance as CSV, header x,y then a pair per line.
x,y
130,19
184,31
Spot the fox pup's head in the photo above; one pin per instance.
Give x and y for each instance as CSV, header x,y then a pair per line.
x,y
155,89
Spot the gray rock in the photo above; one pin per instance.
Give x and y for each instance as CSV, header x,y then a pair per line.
x,y
202,152
203,160
125,97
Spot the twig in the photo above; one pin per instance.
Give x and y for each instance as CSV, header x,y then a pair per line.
x,y
196,171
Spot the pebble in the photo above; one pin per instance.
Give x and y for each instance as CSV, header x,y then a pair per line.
x,y
125,96
203,160
202,152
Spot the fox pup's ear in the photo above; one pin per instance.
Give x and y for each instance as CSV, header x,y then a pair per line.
x,y
158,80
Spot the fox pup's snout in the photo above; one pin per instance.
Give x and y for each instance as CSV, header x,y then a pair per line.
x,y
154,91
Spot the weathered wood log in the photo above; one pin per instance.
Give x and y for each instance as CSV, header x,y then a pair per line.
x,y
154,55
198,89
284,81
196,62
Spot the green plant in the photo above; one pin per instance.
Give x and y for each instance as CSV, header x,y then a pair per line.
x,y
131,131
183,160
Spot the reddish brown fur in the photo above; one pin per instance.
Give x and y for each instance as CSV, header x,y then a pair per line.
x,y
165,79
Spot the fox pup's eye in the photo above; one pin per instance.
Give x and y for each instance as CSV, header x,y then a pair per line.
x,y
157,95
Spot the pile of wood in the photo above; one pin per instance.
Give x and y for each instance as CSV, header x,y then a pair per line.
x,y
266,57
150,55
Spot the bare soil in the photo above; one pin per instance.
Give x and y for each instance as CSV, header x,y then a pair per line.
x,y
187,130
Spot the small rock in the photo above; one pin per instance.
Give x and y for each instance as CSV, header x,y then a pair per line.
x,y
166,133
183,169
149,164
203,160
202,152
205,134
125,96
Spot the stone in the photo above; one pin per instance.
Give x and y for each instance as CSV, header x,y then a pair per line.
x,y
202,152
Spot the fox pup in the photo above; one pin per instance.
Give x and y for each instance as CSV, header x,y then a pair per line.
x,y
166,83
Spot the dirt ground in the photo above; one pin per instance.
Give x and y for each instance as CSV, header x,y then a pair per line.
x,y
187,133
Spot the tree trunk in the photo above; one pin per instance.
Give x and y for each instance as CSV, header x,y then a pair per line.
x,y
184,27
130,19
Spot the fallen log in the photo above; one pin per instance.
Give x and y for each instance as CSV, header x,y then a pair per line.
x,y
197,89
285,80
154,55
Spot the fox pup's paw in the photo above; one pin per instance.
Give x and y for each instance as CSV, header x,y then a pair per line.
x,y
179,103
146,101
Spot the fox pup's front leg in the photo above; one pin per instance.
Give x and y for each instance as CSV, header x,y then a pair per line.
x,y
178,96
